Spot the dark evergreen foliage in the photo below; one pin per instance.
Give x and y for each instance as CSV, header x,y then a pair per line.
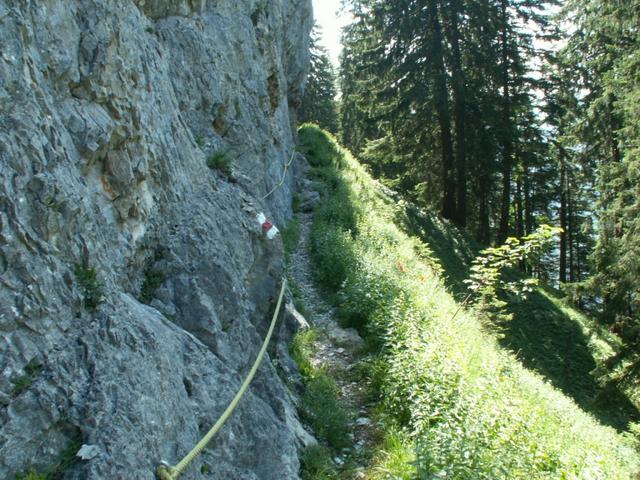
x,y
318,103
461,106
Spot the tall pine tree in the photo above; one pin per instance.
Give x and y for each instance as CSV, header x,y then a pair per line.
x,y
318,103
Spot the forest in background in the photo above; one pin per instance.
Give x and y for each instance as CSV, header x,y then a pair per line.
x,y
503,115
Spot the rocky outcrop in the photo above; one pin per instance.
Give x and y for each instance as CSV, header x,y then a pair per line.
x,y
119,121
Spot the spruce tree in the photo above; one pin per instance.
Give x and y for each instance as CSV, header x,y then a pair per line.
x,y
318,103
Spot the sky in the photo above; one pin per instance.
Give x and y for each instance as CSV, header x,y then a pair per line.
x,y
326,15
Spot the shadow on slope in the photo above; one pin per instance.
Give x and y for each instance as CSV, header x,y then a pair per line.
x,y
547,335
566,348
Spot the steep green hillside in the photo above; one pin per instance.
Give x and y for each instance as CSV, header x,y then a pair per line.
x,y
549,336
466,407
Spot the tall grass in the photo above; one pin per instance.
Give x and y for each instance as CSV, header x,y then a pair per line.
x,y
467,408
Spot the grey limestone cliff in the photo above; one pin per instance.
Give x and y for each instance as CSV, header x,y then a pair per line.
x,y
110,111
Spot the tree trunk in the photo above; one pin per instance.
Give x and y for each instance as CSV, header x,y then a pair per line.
x,y
444,116
528,203
563,218
460,114
519,209
570,234
505,203
484,231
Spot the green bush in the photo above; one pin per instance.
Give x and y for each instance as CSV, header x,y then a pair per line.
x,y
301,348
221,161
31,475
291,236
63,464
153,279
333,247
92,289
318,151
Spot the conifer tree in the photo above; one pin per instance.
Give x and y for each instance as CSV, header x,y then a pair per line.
x,y
318,103
605,50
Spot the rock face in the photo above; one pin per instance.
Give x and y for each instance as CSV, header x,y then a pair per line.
x,y
110,112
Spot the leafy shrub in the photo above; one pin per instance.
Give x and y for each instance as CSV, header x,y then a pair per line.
x,y
153,279
63,464
334,248
301,348
487,279
31,475
291,236
319,152
220,161
395,458
92,289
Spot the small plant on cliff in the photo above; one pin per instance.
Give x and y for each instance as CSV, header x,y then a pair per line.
x,y
33,368
152,281
66,460
220,161
31,475
92,289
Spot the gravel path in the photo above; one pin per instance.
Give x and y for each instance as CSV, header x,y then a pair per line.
x,y
338,350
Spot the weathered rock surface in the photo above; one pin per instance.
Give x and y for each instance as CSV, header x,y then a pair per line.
x,y
109,111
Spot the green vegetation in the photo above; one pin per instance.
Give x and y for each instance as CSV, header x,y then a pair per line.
x,y
506,115
57,471
489,272
92,289
319,405
318,103
22,383
572,350
220,161
461,407
316,464
290,236
31,475
152,281
395,458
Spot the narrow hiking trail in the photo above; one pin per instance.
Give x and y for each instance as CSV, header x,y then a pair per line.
x,y
337,351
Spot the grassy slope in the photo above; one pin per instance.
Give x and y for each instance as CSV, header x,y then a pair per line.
x,y
548,336
467,408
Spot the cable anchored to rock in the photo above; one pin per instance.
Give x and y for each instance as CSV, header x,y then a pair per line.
x,y
166,471
284,175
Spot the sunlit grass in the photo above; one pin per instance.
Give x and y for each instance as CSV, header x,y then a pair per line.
x,y
467,409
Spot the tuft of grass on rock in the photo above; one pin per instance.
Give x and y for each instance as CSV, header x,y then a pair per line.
x,y
22,383
66,460
220,161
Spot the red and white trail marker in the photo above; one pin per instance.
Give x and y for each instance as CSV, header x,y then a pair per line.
x,y
268,228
